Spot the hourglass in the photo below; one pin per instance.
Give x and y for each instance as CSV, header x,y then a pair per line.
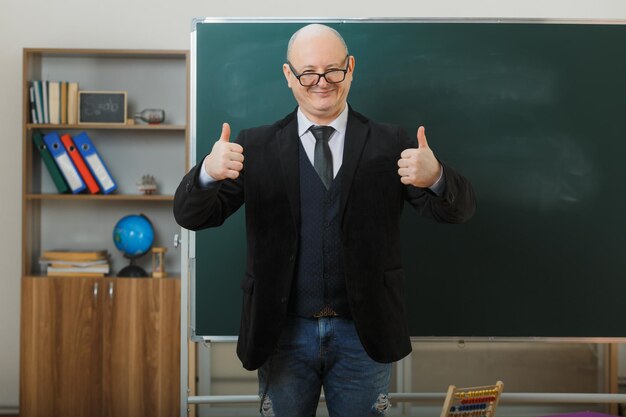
x,y
158,262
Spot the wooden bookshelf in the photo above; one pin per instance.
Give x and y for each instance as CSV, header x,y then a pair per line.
x,y
123,360
130,150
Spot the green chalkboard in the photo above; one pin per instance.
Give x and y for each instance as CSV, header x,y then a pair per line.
x,y
534,114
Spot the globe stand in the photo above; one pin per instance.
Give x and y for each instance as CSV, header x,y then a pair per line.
x,y
132,269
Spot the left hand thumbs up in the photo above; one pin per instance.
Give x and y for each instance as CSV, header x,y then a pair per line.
x,y
419,167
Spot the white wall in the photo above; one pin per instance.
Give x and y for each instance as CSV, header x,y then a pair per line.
x,y
160,24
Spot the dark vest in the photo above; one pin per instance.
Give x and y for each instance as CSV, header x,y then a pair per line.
x,y
319,278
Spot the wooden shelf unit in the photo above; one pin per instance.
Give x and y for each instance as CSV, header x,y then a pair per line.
x,y
111,345
153,79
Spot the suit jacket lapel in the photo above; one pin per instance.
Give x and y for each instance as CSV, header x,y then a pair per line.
x,y
357,134
288,151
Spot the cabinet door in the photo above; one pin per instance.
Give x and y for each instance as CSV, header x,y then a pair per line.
x,y
61,347
142,347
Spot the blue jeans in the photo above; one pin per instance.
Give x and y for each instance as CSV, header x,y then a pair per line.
x,y
316,353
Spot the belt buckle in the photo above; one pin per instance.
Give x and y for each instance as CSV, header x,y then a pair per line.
x,y
326,311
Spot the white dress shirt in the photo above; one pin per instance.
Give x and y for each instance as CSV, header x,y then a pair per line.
x,y
336,141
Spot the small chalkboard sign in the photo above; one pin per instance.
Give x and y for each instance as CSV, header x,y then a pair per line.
x,y
102,107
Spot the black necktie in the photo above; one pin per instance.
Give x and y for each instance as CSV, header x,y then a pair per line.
x,y
323,158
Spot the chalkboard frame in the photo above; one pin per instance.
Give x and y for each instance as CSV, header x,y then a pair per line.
x,y
191,236
118,117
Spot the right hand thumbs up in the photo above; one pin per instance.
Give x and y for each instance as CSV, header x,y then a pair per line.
x,y
225,159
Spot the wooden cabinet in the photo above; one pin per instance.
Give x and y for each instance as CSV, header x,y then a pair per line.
x,y
141,372
100,347
105,346
61,349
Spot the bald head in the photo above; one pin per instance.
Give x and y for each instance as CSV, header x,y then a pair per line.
x,y
311,32
319,50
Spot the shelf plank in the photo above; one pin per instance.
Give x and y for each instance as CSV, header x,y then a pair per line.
x,y
109,53
116,197
171,276
106,126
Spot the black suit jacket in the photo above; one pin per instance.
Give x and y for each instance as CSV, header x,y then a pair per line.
x,y
371,203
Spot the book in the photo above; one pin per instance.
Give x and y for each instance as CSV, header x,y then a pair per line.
x,y
69,255
51,166
67,264
72,103
102,269
44,101
54,102
79,163
63,102
38,101
33,107
76,274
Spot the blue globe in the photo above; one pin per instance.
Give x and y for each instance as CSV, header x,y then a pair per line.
x,y
133,235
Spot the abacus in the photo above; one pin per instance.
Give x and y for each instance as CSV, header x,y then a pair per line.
x,y
472,401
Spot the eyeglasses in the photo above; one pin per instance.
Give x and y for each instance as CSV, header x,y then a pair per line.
x,y
309,79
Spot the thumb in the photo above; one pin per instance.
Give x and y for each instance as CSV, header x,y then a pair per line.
x,y
225,136
421,137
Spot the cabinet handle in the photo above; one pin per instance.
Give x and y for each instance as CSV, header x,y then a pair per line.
x,y
111,291
95,291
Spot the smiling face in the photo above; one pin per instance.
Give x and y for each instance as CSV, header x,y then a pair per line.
x,y
317,49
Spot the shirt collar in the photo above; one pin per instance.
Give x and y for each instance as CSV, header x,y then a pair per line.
x,y
339,124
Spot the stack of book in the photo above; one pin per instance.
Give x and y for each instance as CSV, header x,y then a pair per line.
x,y
74,163
53,102
76,263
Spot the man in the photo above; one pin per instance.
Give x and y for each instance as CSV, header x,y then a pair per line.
x,y
324,288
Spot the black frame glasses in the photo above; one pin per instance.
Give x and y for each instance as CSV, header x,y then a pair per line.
x,y
333,72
